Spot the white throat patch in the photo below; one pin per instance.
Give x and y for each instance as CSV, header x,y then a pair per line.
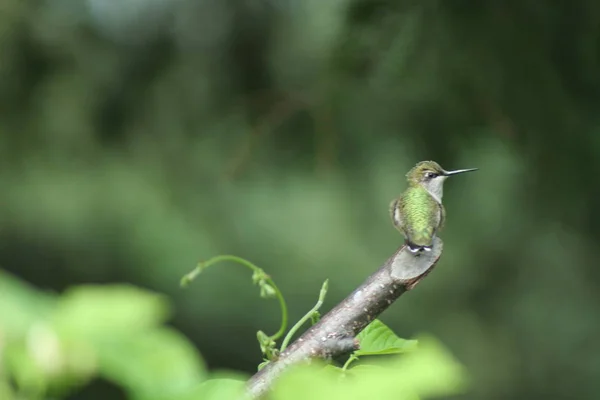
x,y
435,188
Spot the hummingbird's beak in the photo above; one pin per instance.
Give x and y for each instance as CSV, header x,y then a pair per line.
x,y
459,171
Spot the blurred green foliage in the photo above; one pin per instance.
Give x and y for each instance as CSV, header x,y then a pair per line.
x,y
427,373
50,346
138,137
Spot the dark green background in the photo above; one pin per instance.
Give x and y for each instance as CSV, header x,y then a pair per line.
x,y
137,138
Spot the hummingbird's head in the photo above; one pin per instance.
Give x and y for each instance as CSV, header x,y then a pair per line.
x,y
431,176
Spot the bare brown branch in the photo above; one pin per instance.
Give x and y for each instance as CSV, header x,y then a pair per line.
x,y
335,333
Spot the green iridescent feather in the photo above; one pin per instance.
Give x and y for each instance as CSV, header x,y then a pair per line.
x,y
419,223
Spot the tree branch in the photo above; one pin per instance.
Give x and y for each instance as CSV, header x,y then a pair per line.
x,y
335,333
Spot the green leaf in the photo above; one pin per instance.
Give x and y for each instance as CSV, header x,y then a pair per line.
x,y
317,382
334,369
21,306
152,365
41,366
27,374
217,389
365,369
100,310
314,381
6,391
379,339
427,372
432,370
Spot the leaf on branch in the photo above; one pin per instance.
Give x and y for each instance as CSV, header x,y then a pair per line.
x,y
378,339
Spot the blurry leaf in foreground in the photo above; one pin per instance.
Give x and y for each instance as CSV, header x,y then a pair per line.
x,y
152,365
428,371
432,370
96,311
217,389
6,391
41,365
28,375
21,306
378,339
314,381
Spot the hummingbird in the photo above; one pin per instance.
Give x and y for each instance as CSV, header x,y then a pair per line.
x,y
418,213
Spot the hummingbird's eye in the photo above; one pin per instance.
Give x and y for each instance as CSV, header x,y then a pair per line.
x,y
431,175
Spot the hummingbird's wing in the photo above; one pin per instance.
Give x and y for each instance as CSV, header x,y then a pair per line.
x,y
396,215
421,215
442,218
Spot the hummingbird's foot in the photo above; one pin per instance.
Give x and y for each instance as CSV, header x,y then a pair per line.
x,y
416,249
414,252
